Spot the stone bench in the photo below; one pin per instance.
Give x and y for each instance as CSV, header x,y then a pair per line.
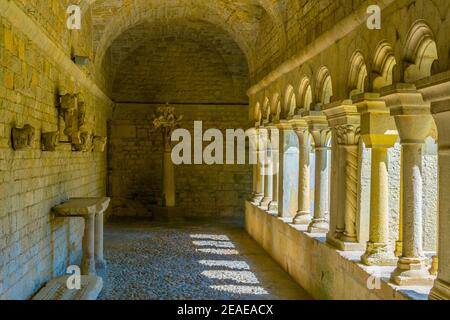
x,y
91,209
56,289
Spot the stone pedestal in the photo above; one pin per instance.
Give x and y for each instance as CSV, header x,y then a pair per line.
x,y
89,209
319,130
379,133
413,119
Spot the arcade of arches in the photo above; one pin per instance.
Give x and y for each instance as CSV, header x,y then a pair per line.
x,y
358,207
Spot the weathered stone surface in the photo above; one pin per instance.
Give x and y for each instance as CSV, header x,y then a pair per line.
x,y
56,289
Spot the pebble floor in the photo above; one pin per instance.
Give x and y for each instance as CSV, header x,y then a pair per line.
x,y
211,260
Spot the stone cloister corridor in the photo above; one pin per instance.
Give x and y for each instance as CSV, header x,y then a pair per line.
x,y
224,150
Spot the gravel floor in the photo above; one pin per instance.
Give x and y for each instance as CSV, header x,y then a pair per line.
x,y
190,260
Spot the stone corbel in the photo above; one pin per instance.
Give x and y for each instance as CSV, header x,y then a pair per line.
x,y
85,143
49,140
22,138
73,115
99,143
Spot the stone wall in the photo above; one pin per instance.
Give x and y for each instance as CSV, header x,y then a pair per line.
x,y
34,245
135,164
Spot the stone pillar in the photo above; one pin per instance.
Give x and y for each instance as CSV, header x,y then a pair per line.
x,y
266,170
345,218
379,133
303,216
254,145
168,179
167,122
348,139
413,118
276,145
259,190
88,259
319,130
100,262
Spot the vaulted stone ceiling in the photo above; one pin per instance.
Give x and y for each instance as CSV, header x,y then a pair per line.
x,y
227,32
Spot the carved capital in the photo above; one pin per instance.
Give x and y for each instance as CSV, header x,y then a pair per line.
x,y
22,138
167,121
348,134
49,141
320,136
85,142
99,143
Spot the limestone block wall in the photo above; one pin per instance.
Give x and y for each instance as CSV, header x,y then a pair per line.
x,y
135,163
34,245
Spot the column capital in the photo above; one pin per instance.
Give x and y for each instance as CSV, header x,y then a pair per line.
x,y
412,114
342,112
348,134
404,99
378,128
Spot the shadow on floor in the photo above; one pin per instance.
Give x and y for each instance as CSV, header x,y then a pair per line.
x,y
193,259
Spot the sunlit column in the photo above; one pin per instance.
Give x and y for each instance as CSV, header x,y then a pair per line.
x,y
441,288
257,178
345,218
413,118
303,216
379,133
266,170
320,132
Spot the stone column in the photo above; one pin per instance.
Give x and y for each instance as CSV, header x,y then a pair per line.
x,y
88,259
413,118
348,139
441,113
303,216
100,262
319,130
276,144
266,169
259,190
379,133
345,218
167,122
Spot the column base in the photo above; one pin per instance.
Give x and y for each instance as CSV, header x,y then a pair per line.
x,y
338,234
88,267
440,291
273,206
412,272
257,198
265,203
318,226
302,218
345,246
377,254
434,266
100,264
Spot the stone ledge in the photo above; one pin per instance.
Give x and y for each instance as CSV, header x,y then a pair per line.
x,y
56,289
320,269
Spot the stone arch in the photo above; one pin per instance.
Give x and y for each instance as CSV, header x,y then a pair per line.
x,y
420,52
324,92
357,75
305,93
383,66
290,103
275,110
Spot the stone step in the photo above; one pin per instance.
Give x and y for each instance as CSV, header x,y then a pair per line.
x,y
56,289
